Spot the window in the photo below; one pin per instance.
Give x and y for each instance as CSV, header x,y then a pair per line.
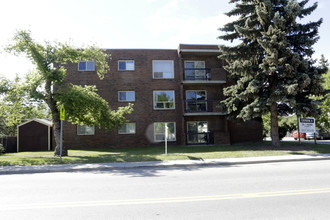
x,y
197,132
126,96
128,128
159,131
195,70
196,101
85,130
164,100
126,65
86,66
163,69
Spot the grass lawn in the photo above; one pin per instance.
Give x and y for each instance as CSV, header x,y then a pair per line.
x,y
107,155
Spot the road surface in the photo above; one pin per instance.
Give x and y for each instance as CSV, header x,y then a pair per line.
x,y
291,190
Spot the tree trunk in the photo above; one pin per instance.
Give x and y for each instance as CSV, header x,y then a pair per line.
x,y
56,120
57,136
274,125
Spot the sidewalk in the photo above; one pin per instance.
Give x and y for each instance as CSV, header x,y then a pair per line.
x,y
157,164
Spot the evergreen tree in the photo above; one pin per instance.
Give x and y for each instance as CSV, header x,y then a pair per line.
x,y
271,69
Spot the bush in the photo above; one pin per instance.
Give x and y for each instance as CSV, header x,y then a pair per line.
x,y
2,149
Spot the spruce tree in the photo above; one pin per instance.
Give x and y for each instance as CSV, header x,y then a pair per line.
x,y
271,67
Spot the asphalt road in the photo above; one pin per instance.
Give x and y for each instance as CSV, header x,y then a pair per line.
x,y
292,190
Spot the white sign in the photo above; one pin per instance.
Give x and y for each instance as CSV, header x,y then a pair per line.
x,y
307,125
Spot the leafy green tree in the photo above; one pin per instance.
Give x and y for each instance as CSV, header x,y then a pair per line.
x,y
323,121
271,69
16,106
47,83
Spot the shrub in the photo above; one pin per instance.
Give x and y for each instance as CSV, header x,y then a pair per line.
x,y
2,149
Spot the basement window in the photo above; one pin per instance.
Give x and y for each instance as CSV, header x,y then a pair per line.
x,y
85,130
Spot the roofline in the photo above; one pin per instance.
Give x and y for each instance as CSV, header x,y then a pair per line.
x,y
199,51
50,124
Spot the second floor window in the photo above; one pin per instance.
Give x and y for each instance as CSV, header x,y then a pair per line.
x,y
126,65
164,100
163,69
86,66
126,96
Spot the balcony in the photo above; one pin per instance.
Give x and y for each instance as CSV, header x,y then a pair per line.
x,y
201,138
201,107
200,76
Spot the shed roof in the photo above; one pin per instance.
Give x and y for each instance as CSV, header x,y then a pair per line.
x,y
39,120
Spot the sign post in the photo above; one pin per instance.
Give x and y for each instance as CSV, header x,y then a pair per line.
x,y
62,117
166,135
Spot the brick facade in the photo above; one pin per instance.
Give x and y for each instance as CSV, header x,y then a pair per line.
x,y
141,81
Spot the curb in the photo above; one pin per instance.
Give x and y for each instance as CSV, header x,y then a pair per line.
x,y
5,170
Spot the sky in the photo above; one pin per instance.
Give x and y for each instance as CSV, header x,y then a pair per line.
x,y
147,24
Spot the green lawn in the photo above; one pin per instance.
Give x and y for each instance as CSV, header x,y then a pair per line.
x,y
107,155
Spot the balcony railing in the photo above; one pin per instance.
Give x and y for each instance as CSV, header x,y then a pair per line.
x,y
192,106
202,74
200,138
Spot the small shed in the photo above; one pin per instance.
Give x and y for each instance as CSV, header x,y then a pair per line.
x,y
35,135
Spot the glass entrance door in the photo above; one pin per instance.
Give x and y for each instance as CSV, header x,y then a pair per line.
x,y
197,132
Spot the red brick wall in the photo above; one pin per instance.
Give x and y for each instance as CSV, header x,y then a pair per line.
x,y
141,81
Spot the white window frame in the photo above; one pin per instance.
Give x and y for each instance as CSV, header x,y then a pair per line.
x,y
85,70
83,134
154,100
153,69
126,96
125,132
155,134
126,64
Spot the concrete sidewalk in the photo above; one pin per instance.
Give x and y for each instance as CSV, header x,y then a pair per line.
x,y
157,164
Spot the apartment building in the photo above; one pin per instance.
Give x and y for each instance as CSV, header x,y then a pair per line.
x,y
178,88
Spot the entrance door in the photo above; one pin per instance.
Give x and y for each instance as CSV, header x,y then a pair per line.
x,y
197,132
196,101
195,70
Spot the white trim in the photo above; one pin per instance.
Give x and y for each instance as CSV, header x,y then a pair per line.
x,y
154,92
17,139
199,51
198,82
125,100
48,138
164,133
153,69
125,62
41,121
126,129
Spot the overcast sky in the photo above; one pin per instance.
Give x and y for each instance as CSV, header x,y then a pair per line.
x,y
162,24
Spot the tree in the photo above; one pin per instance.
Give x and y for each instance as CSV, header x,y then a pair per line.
x,y
83,105
271,69
323,121
16,106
